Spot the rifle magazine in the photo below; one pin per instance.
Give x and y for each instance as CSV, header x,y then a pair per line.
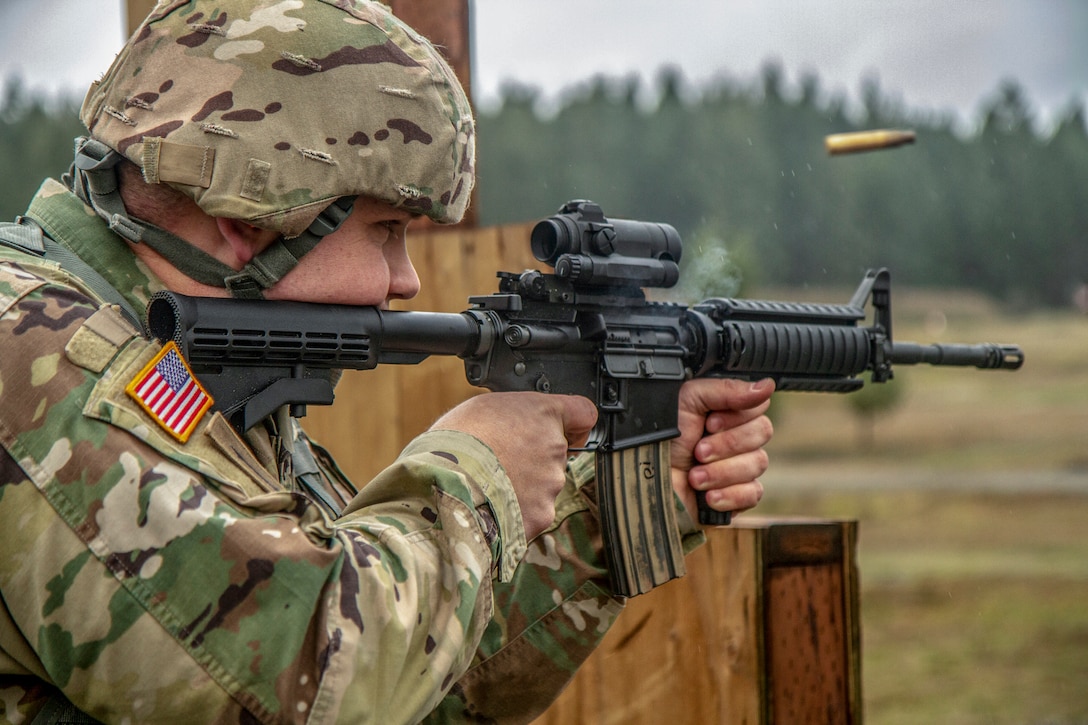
x,y
638,517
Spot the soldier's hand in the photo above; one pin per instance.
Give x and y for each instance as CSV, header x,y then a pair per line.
x,y
530,434
723,430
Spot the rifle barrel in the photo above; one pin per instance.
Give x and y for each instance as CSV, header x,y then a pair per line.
x,y
987,356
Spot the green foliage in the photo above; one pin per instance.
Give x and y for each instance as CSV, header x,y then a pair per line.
x,y
740,170
876,398
36,140
870,403
1000,211
956,604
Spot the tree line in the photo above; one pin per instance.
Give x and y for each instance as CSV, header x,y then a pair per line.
x,y
36,140
740,170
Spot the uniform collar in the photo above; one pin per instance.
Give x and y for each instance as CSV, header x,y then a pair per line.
x,y
71,223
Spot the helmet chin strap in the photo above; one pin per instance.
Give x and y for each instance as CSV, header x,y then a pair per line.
x,y
93,178
282,255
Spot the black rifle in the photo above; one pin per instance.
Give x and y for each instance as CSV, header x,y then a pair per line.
x,y
586,330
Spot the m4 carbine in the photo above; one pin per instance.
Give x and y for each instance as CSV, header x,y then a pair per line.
x,y
586,329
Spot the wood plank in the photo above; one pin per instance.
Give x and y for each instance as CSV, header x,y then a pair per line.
x,y
687,652
752,635
806,651
447,24
362,428
135,12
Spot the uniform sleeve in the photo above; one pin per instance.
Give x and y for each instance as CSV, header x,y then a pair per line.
x,y
549,618
148,586
492,494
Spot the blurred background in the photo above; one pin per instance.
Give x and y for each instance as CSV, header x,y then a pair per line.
x,y
971,488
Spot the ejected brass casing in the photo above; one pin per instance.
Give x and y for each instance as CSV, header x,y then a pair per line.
x,y
850,143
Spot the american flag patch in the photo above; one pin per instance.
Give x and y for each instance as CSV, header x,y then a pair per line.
x,y
167,390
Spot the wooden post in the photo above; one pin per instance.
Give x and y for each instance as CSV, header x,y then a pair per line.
x,y
446,23
135,12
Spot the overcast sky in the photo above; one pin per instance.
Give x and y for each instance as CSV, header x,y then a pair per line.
x,y
942,55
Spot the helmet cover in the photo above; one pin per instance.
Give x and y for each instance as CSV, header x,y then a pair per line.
x,y
269,110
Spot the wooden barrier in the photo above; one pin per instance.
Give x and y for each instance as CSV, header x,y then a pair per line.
x,y
763,629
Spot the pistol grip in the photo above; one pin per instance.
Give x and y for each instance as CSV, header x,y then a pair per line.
x,y
709,516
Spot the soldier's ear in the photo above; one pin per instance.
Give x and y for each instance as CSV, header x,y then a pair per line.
x,y
246,241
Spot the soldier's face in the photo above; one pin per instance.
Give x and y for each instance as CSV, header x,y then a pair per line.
x,y
364,262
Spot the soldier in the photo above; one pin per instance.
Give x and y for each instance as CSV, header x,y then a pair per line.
x,y
158,566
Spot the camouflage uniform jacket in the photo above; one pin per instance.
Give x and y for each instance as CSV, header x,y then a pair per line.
x,y
155,581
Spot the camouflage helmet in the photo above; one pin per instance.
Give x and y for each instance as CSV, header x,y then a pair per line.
x,y
269,110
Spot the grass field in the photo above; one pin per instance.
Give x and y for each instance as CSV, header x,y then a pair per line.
x,y
972,501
